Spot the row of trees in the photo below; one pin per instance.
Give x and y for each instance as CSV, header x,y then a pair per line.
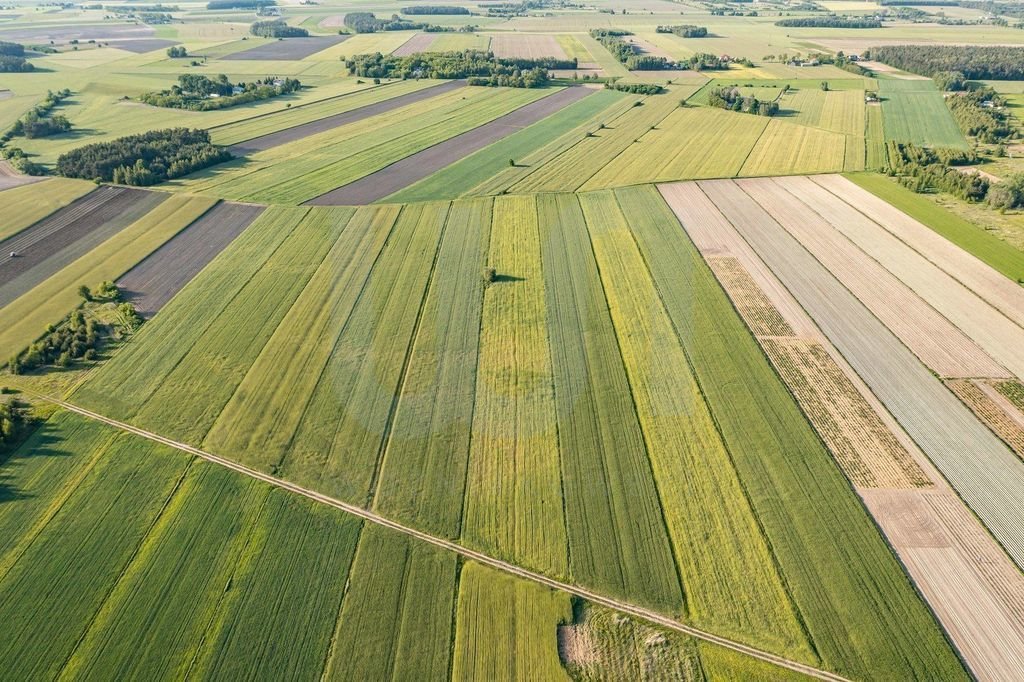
x,y
38,121
830,21
973,62
448,65
685,30
199,93
636,88
277,28
12,58
435,9
143,159
367,22
239,4
533,78
12,419
733,99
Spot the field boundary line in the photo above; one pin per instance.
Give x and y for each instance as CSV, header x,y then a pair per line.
x,y
498,564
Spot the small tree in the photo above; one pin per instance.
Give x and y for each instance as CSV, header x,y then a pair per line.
x,y
824,85
84,292
490,274
512,162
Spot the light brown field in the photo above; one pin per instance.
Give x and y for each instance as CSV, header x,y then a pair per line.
x,y
757,311
864,448
1001,293
526,46
994,409
420,42
940,345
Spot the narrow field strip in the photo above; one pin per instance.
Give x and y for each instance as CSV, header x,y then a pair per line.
x,y
753,305
938,343
418,166
514,498
499,565
162,274
24,206
292,133
993,409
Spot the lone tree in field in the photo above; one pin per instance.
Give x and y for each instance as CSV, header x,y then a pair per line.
x,y
490,274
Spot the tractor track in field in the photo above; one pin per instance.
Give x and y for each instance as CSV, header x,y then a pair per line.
x,y
498,564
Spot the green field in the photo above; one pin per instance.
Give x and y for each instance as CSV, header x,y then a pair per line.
x,y
333,381
914,111
28,204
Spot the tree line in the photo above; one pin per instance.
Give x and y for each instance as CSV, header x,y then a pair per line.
x,y
12,58
200,93
434,9
685,30
38,122
830,21
277,28
239,4
472,64
367,22
975,62
933,170
144,159
733,99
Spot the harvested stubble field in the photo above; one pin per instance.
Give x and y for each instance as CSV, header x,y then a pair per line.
x,y
388,309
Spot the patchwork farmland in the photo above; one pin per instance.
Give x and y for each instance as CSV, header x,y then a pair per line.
x,y
502,341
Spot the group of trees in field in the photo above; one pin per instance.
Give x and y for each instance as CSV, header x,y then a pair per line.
x,y
481,68
12,419
626,52
733,99
144,159
277,28
830,21
12,58
923,169
38,121
974,62
685,30
177,52
981,113
367,22
239,4
199,93
636,88
434,9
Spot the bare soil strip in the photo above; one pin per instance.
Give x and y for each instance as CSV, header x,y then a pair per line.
x,y
302,130
864,448
944,522
937,342
68,233
155,281
8,176
420,42
414,168
289,49
999,291
763,318
498,564
992,408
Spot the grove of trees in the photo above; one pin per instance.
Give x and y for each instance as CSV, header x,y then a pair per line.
x,y
732,98
685,30
196,92
12,58
144,159
482,68
277,28
972,62
830,21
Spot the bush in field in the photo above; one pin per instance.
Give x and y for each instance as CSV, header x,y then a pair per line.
x,y
143,159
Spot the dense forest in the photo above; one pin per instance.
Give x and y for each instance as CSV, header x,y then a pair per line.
x,y
732,98
830,21
12,58
199,93
144,159
277,29
975,62
480,67
685,30
434,9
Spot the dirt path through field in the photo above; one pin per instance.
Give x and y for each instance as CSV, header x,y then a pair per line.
x,y
279,137
498,564
414,168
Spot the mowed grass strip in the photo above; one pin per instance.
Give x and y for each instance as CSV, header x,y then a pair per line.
x,y
513,507
192,395
787,149
461,177
423,472
25,319
507,628
914,111
689,143
618,542
396,618
120,387
577,164
51,594
337,447
729,576
257,424
854,599
28,204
